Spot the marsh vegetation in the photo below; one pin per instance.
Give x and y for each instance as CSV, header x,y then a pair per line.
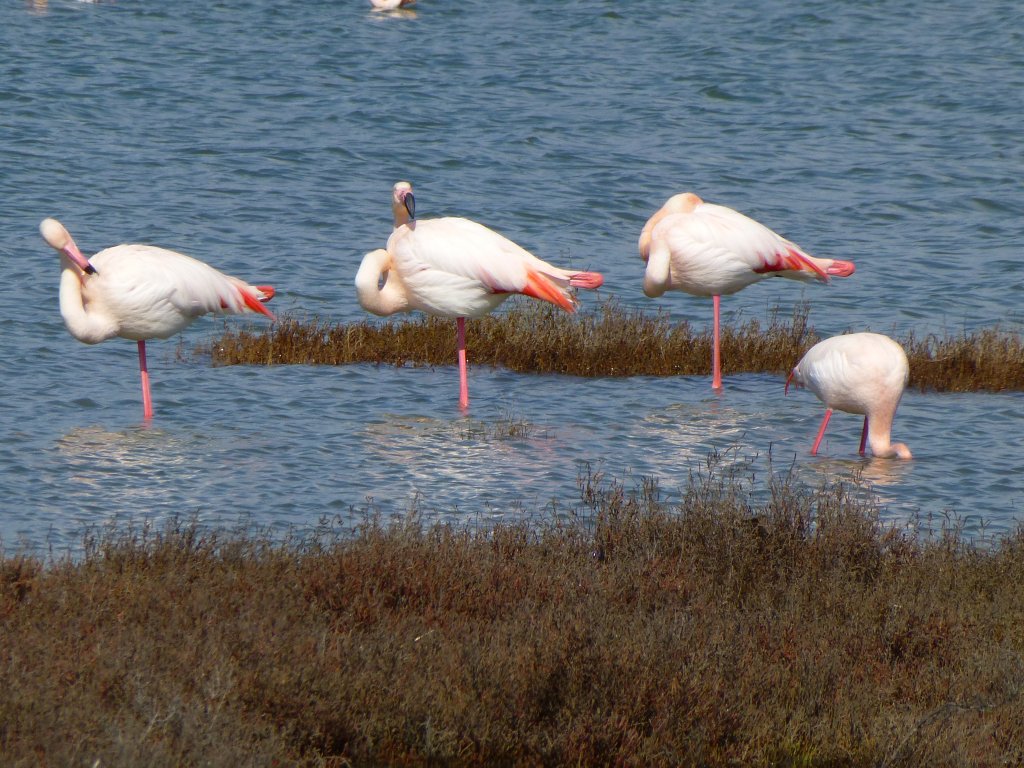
x,y
611,341
767,625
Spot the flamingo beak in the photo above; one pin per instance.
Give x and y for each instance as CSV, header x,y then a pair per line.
x,y
410,204
76,256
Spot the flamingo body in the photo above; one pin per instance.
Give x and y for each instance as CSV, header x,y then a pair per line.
x,y
142,292
390,5
456,268
709,250
863,373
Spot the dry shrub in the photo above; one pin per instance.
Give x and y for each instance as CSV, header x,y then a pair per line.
x,y
734,625
611,341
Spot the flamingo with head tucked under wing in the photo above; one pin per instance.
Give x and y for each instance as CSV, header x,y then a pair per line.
x,y
858,373
710,250
142,292
454,267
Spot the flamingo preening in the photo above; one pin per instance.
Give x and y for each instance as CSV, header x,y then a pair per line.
x,y
454,267
141,292
710,250
858,373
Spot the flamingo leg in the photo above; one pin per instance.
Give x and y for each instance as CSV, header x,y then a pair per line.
x,y
463,378
864,436
821,431
147,400
716,353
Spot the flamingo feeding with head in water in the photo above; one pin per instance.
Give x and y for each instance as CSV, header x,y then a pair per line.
x,y
141,292
457,268
858,373
710,250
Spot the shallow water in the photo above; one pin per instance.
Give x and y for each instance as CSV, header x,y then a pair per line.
x,y
265,139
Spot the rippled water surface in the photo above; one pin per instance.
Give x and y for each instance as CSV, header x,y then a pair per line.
x,y
265,137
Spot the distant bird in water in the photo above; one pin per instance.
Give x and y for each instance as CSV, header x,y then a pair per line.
x,y
858,373
142,292
454,267
391,5
710,250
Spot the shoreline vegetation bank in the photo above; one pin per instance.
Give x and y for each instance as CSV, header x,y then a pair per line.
x,y
733,626
611,341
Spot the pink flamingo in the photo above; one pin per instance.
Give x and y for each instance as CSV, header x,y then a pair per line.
x,y
454,267
710,250
142,292
390,5
858,373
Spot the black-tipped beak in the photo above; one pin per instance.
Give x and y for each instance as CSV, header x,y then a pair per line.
x,y
410,205
91,270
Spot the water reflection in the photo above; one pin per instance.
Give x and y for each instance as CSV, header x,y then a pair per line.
x,y
380,12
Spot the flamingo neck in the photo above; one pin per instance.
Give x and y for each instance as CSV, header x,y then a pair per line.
x,y
84,320
378,286
880,435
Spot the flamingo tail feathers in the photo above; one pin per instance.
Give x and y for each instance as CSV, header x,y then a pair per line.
x,y
588,280
254,300
796,260
840,268
541,287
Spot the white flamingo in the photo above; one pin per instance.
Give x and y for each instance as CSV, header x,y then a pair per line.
x,y
390,5
454,267
710,250
141,292
858,373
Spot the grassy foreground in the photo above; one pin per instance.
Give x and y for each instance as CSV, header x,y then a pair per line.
x,y
712,631
612,341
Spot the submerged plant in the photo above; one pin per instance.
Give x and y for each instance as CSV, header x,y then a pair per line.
x,y
611,341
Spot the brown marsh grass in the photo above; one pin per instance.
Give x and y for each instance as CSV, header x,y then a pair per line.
x,y
611,341
783,627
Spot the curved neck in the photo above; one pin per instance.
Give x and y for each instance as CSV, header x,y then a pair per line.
x,y
378,286
84,323
880,434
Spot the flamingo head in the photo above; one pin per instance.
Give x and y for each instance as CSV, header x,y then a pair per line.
x,y
684,202
403,202
58,238
789,379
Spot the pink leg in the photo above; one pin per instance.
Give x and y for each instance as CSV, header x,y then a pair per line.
x,y
716,354
821,431
864,436
463,379
147,401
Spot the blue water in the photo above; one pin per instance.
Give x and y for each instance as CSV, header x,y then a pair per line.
x,y
264,138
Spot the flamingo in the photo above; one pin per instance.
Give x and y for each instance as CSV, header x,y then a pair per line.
x,y
454,267
710,250
390,5
858,373
142,292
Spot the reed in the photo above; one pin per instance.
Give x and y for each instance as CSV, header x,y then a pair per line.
x,y
735,625
610,341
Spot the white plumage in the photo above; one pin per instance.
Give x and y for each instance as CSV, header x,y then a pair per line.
x,y
141,292
710,250
863,373
453,267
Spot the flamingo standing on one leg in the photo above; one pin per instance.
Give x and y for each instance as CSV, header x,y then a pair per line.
x,y
858,373
142,292
710,250
454,267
